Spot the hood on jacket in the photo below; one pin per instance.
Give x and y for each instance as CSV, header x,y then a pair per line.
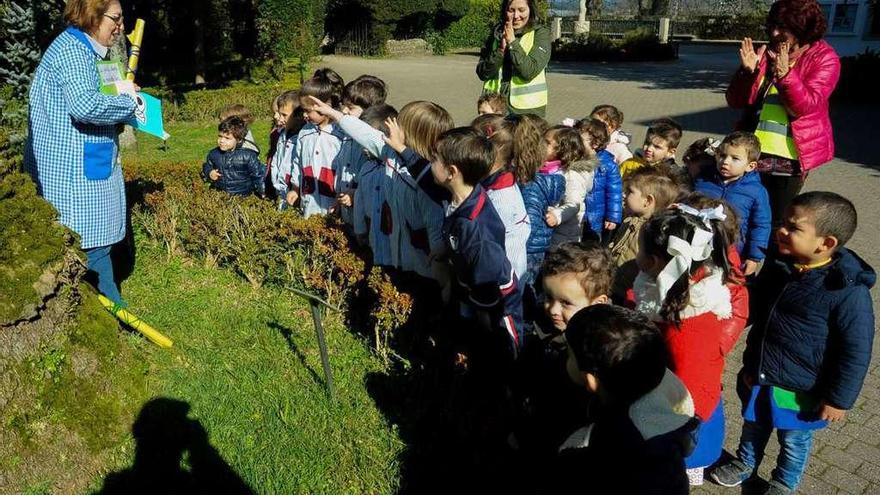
x,y
849,269
621,137
666,409
588,165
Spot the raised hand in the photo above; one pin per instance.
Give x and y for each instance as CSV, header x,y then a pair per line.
x,y
781,63
509,35
396,138
748,56
325,109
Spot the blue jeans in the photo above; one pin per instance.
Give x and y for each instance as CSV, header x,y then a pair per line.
x,y
794,451
99,262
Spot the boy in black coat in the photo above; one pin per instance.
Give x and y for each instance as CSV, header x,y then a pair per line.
x,y
230,166
644,426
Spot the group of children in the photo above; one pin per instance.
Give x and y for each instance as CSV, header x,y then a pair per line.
x,y
608,287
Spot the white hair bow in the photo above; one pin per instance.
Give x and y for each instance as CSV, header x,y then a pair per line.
x,y
712,147
706,214
569,122
683,255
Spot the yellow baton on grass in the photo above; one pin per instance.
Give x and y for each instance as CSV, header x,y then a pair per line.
x,y
133,321
135,38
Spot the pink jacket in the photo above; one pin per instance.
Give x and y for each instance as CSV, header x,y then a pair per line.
x,y
804,91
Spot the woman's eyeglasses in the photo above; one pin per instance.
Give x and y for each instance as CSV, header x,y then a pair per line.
x,y
117,19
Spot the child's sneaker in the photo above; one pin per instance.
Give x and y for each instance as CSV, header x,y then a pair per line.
x,y
777,488
695,476
731,473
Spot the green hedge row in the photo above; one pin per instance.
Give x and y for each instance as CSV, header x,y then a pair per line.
x,y
637,45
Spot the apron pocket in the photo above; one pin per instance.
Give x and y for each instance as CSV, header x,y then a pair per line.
x,y
98,160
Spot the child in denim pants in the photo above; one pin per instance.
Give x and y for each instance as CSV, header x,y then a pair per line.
x,y
810,345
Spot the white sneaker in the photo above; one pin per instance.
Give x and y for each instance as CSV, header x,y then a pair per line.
x,y
695,476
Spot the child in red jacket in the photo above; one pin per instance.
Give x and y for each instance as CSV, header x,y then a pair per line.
x,y
687,286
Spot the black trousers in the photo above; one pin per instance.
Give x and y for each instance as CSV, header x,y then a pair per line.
x,y
781,189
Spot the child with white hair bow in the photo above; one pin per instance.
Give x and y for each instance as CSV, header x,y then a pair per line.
x,y
686,284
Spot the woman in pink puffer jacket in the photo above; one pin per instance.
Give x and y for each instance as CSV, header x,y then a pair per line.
x,y
804,69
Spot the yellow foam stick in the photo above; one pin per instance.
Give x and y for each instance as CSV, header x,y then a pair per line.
x,y
135,38
133,321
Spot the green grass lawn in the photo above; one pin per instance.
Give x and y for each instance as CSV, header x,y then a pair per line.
x,y
189,142
247,362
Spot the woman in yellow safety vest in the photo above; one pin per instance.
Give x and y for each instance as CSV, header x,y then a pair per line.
x,y
514,59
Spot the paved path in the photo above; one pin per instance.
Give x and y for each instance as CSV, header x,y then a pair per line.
x,y
846,456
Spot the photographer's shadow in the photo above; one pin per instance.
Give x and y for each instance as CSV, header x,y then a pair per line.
x,y
165,437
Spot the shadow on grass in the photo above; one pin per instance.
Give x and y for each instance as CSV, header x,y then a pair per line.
x,y
288,336
454,422
166,437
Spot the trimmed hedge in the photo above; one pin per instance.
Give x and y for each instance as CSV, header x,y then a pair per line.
x,y
732,27
635,46
263,245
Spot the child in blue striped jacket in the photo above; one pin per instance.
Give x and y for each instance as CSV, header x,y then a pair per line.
x,y
316,161
501,184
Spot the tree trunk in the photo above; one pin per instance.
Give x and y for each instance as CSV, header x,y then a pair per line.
x,y
119,52
660,8
199,21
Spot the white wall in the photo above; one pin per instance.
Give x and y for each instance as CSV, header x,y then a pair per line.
x,y
850,42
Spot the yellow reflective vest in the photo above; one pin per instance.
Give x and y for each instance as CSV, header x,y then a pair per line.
x,y
774,127
524,95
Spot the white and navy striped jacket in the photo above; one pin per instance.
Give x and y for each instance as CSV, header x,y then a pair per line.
x,y
505,196
314,168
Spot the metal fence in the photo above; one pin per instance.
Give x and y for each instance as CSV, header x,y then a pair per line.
x,y
612,27
355,42
685,28
615,28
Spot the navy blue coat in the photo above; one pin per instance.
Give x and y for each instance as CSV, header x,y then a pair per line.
x,y
485,280
240,169
813,331
605,200
544,191
749,199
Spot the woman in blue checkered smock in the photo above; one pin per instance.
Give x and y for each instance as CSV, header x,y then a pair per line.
x,y
72,149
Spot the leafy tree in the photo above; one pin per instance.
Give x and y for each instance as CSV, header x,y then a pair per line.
x,y
289,29
386,19
19,52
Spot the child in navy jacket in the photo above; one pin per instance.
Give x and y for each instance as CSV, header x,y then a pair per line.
x,y
644,426
810,345
735,181
474,234
486,286
230,166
